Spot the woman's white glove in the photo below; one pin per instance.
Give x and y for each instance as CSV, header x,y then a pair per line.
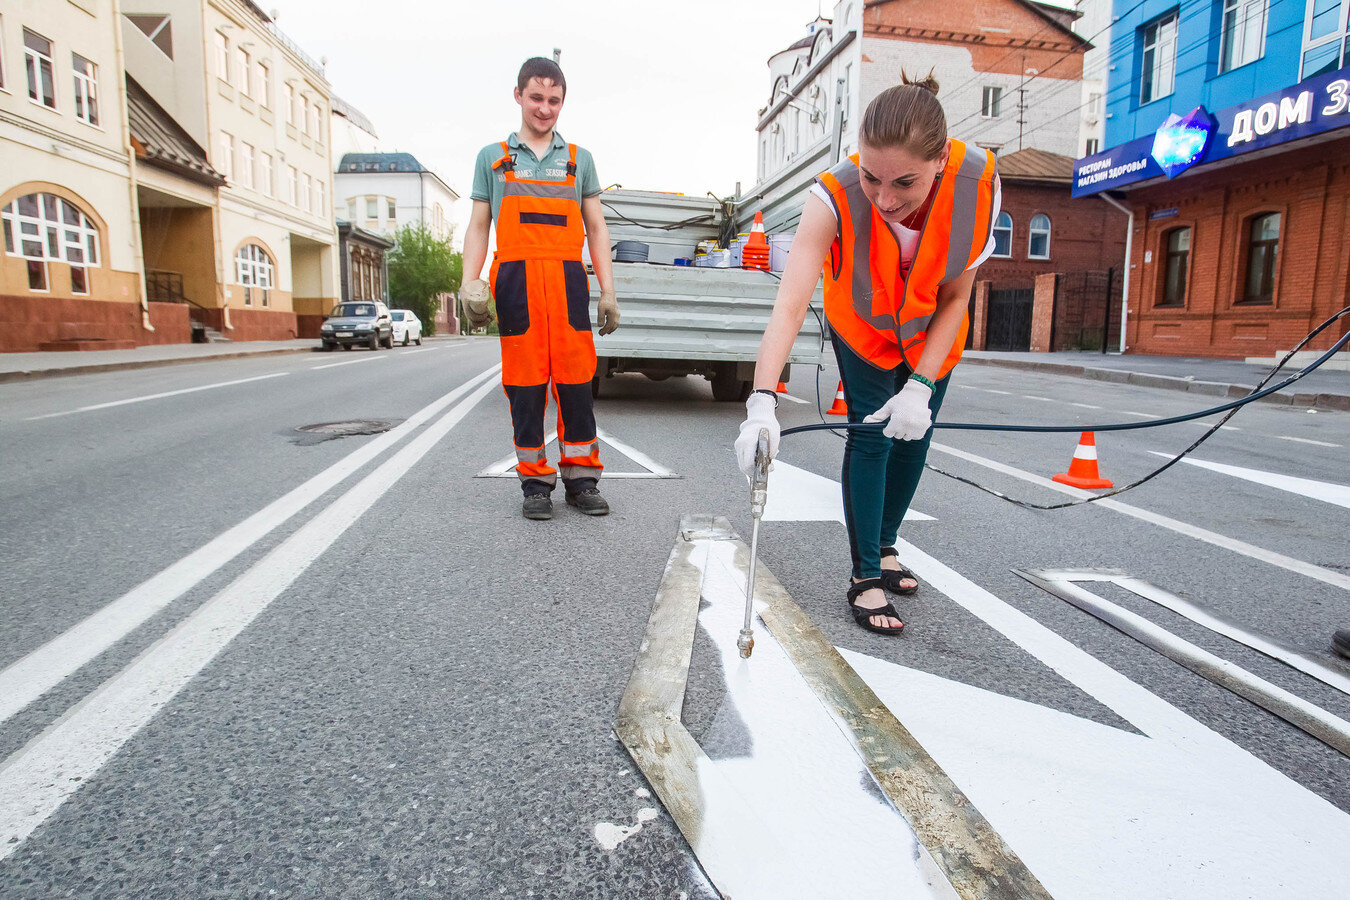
x,y
760,413
907,411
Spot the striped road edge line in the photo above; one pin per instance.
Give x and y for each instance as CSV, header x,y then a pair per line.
x,y
977,862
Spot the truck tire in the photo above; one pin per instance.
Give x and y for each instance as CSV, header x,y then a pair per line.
x,y
726,387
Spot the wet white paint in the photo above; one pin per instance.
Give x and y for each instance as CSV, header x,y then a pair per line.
x,y
796,495
1178,811
1326,491
610,836
798,815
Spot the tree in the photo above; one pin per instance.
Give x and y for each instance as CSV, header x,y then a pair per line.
x,y
421,267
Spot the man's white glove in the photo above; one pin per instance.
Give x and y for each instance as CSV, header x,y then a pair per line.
x,y
476,297
607,312
907,411
760,413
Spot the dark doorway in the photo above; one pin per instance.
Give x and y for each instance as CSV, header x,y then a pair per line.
x,y
1009,323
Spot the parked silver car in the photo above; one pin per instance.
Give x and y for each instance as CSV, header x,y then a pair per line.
x,y
358,322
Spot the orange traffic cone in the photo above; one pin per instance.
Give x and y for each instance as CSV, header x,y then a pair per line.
x,y
840,408
781,389
1083,467
755,252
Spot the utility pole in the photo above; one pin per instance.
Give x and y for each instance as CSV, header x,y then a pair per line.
x,y
557,55
1022,102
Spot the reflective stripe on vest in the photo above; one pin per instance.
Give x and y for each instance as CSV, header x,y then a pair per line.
x,y
881,314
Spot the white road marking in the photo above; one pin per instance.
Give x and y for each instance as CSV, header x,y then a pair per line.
x,y
350,362
506,466
992,391
1318,573
1085,405
1200,424
1126,412
1285,437
793,399
1326,491
36,780
415,352
796,495
28,678
191,390
609,836
1046,399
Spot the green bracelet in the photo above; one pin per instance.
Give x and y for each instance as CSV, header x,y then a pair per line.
x,y
921,380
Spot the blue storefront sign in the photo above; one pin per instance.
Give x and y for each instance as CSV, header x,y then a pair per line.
x,y
1314,106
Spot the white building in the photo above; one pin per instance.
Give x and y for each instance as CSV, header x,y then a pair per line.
x,y
1095,26
381,192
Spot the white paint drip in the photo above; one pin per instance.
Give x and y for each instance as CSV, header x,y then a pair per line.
x,y
36,780
1326,491
1289,563
610,836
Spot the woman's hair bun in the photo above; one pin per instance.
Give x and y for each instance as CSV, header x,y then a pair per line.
x,y
928,82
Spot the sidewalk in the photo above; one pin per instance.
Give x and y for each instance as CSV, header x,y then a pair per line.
x,y
23,366
1325,388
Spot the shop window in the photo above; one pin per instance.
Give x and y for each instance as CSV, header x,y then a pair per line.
x,y
37,56
1263,246
1243,36
253,269
1003,228
1158,68
1176,263
1038,246
42,227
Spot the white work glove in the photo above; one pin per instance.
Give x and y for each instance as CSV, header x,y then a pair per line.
x,y
476,298
607,312
907,411
760,413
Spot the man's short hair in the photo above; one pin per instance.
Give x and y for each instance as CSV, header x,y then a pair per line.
x,y
544,69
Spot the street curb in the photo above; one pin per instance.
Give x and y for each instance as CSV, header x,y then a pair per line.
x,y
34,374
1167,382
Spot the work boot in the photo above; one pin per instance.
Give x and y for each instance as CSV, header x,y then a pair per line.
x,y
588,501
537,506
1340,642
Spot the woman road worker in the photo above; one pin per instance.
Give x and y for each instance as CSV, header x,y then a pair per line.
x,y
899,230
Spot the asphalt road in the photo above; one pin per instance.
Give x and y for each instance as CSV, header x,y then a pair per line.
x,y
377,679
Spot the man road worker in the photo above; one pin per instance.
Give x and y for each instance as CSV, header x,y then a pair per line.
x,y
543,195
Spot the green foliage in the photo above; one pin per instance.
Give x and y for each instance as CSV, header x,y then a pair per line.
x,y
420,268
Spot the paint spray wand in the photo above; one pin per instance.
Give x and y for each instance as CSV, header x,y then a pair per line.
x,y
759,494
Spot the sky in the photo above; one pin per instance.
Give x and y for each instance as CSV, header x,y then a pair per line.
x,y
664,95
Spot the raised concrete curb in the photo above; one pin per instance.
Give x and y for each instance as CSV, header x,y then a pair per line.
x,y
1167,382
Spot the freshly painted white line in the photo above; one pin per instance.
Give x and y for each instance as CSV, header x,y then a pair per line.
x,y
37,779
789,808
1318,573
1126,412
635,455
793,399
1285,437
28,678
796,495
1326,491
506,466
1005,393
350,362
191,390
1085,405
1200,424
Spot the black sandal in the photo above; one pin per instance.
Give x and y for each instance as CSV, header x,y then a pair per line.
x,y
890,579
863,616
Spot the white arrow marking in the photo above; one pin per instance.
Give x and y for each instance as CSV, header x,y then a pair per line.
x,y
1326,491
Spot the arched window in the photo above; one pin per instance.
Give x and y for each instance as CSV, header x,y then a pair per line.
x,y
44,227
253,269
1003,236
1038,246
1263,246
1176,261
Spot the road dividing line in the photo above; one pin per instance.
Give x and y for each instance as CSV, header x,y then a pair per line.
x,y
415,352
1326,491
1285,437
1126,412
35,781
191,390
30,677
1085,405
1046,399
1298,566
349,362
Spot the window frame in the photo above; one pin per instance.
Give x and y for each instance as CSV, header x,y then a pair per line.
x,y
4,85
1337,38
998,227
1270,265
268,173
1166,254
996,106
1150,73
1033,232
36,65
289,99
222,45
1092,146
264,97
59,229
86,89
1241,11
253,268
246,163
244,64
293,186
225,144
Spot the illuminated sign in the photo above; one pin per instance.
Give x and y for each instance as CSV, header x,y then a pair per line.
x,y
1181,141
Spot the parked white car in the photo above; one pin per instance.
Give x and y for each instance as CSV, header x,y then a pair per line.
x,y
407,327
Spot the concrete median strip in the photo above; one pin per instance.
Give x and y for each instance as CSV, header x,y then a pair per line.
x,y
769,843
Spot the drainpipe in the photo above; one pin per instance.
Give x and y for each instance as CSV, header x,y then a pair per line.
x,y
137,251
1125,278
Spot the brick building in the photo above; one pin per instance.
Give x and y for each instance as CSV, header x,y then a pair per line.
x,y
1230,148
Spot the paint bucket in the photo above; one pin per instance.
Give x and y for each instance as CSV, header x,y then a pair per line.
x,y
631,251
779,244
719,259
736,246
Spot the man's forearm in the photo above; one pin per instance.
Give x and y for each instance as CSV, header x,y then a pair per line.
x,y
597,240
475,253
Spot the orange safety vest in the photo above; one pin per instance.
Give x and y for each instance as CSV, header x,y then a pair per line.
x,y
880,312
539,219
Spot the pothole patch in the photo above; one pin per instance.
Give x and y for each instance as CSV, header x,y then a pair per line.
x,y
327,431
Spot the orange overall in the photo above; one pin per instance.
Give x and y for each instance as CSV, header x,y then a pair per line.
x,y
544,316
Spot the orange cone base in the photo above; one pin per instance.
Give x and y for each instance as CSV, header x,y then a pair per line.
x,y
1080,481
781,389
